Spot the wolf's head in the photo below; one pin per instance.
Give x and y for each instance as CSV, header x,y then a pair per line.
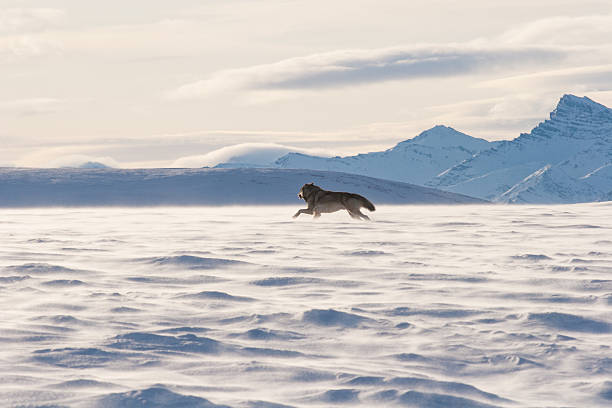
x,y
307,190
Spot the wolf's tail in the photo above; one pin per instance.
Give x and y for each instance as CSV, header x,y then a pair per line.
x,y
366,203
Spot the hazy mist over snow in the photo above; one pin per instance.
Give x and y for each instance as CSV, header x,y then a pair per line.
x,y
149,82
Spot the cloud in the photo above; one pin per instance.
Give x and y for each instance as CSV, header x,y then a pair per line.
x,y
583,30
16,20
354,67
83,161
571,80
27,46
32,106
260,154
501,117
23,33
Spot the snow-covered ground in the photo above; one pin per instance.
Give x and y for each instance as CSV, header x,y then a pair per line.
x,y
446,306
155,187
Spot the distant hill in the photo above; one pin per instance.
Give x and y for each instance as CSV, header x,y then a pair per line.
x,y
145,187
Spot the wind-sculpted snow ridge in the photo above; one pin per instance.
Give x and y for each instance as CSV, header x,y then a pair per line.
x,y
181,187
193,262
447,306
154,397
41,268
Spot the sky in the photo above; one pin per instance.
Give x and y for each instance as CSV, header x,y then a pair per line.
x,y
160,83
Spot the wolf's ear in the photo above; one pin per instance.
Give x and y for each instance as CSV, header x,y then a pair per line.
x,y
311,184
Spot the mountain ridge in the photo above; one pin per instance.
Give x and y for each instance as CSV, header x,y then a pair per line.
x,y
415,160
574,141
570,146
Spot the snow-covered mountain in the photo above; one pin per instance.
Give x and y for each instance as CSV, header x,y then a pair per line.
x,y
565,159
416,160
143,187
549,184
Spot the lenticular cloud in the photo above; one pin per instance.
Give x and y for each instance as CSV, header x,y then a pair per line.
x,y
351,67
253,154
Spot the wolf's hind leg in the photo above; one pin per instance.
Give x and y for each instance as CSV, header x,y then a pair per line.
x,y
358,215
363,216
353,215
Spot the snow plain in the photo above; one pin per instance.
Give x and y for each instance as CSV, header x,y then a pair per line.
x,y
439,306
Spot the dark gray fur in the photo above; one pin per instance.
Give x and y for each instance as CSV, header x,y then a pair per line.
x,y
323,201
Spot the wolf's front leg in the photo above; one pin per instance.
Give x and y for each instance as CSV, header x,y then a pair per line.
x,y
302,211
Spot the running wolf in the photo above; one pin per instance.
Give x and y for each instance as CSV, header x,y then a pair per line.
x,y
322,201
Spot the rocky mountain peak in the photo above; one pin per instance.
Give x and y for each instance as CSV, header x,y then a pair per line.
x,y
572,106
441,136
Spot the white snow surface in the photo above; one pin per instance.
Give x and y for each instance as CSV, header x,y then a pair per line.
x,y
145,187
446,306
